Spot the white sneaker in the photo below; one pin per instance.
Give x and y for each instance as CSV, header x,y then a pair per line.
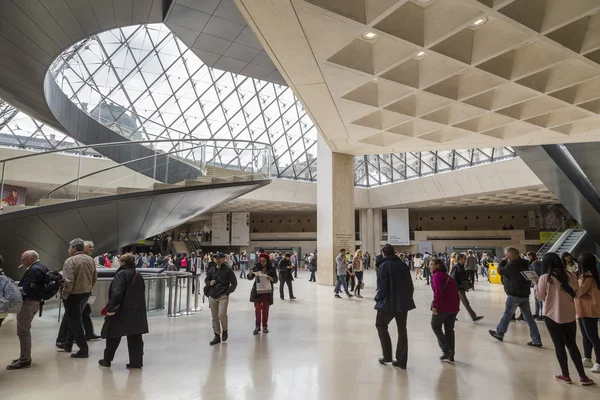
x,y
596,368
587,362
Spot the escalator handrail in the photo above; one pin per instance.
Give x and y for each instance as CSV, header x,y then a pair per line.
x,y
559,230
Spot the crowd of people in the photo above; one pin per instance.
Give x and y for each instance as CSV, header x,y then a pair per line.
x,y
567,293
125,311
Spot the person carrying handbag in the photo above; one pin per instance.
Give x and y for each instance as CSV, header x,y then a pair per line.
x,y
444,307
463,284
264,276
125,314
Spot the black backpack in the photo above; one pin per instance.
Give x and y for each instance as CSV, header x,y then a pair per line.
x,y
53,282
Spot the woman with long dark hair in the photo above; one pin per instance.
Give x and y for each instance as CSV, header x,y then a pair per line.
x,y
569,262
264,276
358,268
557,288
444,307
587,304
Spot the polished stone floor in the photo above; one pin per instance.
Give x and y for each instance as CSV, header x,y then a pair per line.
x,y
319,347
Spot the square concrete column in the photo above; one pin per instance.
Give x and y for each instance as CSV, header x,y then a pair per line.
x,y
377,231
335,209
369,238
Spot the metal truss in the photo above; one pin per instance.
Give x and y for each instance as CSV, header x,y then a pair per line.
x,y
381,169
144,83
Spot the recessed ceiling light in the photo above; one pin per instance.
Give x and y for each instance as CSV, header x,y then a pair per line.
x,y
420,54
370,35
479,22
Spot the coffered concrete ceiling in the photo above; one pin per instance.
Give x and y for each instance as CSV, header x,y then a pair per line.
x,y
534,195
404,75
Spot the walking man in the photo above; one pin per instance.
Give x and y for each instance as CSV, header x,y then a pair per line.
x,y
80,275
30,285
285,268
88,327
222,281
471,267
426,271
464,285
341,269
394,299
295,264
517,289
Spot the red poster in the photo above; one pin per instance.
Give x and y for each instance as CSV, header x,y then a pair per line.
x,y
13,196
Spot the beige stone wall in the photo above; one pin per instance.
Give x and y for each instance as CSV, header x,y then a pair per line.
x,y
480,218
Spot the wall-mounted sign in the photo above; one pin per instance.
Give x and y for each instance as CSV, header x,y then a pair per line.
x,y
398,227
220,229
240,229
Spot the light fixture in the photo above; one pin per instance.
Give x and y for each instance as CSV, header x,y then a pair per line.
x,y
370,35
420,54
479,22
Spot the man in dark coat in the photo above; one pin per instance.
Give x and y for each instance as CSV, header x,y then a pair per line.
x,y
222,282
517,290
460,276
126,314
394,299
286,271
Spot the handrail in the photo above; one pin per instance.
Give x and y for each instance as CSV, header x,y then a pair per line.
x,y
556,232
102,145
109,168
252,165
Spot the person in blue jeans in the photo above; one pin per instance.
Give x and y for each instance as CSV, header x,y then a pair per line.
x,y
517,289
341,269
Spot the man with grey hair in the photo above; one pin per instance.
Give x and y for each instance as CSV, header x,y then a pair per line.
x,y
517,290
30,284
62,340
80,275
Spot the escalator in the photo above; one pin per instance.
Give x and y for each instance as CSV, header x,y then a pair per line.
x,y
574,241
571,173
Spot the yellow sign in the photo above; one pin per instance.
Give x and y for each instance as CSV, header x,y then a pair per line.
x,y
545,236
142,242
494,275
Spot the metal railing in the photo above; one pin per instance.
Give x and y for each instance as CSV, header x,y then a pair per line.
x,y
555,235
89,177
178,281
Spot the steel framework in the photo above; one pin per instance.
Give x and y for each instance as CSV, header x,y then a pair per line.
x,y
147,85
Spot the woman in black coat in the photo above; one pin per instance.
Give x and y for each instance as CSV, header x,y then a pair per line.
x,y
262,301
126,314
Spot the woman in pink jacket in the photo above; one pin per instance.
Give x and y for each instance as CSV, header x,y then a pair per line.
x,y
557,288
445,306
587,304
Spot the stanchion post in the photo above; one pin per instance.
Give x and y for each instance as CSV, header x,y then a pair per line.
x,y
178,290
173,298
197,307
188,297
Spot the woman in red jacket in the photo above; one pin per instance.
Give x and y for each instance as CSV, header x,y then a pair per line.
x,y
262,291
445,306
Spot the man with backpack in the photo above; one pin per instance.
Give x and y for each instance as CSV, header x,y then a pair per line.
x,y
80,275
31,285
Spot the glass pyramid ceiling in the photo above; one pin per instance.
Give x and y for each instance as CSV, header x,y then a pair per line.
x,y
146,84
